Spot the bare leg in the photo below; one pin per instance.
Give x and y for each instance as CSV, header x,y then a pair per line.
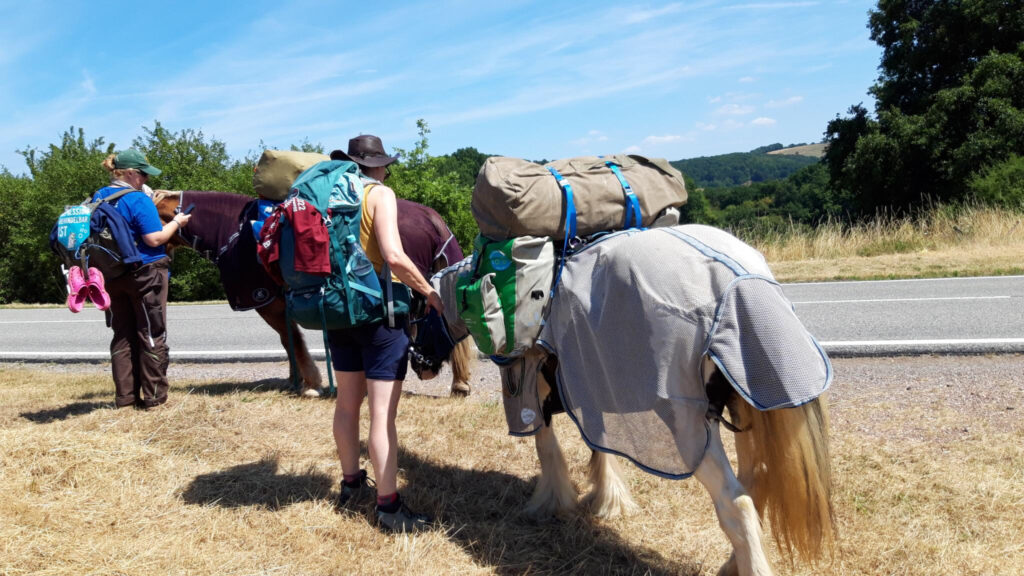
x,y
383,443
609,497
736,513
351,391
555,492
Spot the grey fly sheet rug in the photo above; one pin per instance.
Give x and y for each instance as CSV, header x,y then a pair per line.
x,y
631,320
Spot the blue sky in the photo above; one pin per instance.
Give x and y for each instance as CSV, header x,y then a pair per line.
x,y
519,78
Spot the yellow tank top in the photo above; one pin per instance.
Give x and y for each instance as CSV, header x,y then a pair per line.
x,y
368,237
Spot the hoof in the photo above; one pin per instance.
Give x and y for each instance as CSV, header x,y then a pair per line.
x,y
312,393
461,389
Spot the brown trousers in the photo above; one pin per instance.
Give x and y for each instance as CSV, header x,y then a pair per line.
x,y
138,351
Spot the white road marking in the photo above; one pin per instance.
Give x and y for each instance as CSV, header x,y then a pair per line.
x,y
903,299
939,342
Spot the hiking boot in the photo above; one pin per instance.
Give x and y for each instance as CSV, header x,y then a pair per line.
x,y
402,520
355,493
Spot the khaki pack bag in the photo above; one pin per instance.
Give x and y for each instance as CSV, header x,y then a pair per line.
x,y
504,299
515,197
277,169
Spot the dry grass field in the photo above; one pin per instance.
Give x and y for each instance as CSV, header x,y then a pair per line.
x,y
975,241
236,477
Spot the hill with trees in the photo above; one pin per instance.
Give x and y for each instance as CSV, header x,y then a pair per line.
x,y
741,168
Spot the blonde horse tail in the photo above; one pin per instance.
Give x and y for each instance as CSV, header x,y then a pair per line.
x,y
462,363
783,459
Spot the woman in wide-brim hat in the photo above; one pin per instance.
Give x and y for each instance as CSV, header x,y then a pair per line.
x,y
367,151
371,361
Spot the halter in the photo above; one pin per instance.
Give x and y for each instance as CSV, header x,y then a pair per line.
x,y
195,238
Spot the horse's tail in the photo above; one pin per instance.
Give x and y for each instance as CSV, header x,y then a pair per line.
x,y
462,361
783,459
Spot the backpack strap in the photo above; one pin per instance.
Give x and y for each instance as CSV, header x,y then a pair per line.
x,y
389,295
116,195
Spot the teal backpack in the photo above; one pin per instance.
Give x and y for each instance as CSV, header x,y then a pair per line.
x,y
352,295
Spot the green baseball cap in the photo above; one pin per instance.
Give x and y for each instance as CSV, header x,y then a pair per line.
x,y
133,159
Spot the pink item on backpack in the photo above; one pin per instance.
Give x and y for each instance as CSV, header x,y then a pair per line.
x,y
97,291
77,291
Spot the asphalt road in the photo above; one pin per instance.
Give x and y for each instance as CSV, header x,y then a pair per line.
x,y
883,318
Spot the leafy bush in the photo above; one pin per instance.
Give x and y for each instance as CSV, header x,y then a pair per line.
x,y
1001,184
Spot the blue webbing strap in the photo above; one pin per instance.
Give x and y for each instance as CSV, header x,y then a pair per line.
x,y
327,346
570,223
634,218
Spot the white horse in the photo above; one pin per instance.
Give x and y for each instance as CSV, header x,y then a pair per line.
x,y
728,328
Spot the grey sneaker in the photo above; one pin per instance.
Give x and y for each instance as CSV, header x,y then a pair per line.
x,y
355,494
402,520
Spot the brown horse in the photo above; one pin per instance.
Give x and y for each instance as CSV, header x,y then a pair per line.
x,y
221,231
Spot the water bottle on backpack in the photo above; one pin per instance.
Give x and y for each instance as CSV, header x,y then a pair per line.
x,y
363,271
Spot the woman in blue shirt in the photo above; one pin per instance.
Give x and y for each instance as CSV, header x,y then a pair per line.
x,y
138,299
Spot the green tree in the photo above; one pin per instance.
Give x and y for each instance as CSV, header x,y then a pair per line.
x,y
931,45
438,183
64,174
1001,184
950,102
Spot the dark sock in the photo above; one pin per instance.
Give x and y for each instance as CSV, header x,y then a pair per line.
x,y
389,503
352,479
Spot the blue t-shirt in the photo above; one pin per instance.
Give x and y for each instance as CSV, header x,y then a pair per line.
x,y
141,214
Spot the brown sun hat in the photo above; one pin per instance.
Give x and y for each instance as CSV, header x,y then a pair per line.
x,y
365,150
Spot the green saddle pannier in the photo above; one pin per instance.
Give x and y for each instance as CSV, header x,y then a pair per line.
x,y
504,300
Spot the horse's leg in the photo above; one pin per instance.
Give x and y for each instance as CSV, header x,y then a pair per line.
x,y
609,496
273,314
554,492
735,509
461,360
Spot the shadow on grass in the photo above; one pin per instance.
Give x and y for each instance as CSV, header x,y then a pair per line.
x,y
481,510
275,385
64,412
257,484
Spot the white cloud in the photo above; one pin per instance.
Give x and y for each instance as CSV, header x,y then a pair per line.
x,y
782,103
593,136
763,121
656,140
715,100
87,83
632,150
747,80
734,110
706,127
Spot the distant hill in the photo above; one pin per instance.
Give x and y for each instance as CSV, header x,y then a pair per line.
x,y
774,162
814,150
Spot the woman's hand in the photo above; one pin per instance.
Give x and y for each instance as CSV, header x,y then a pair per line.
x,y
434,301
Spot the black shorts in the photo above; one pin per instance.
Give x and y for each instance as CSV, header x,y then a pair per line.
x,y
381,352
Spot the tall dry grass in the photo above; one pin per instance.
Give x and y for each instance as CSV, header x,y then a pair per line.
x,y
235,477
940,241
